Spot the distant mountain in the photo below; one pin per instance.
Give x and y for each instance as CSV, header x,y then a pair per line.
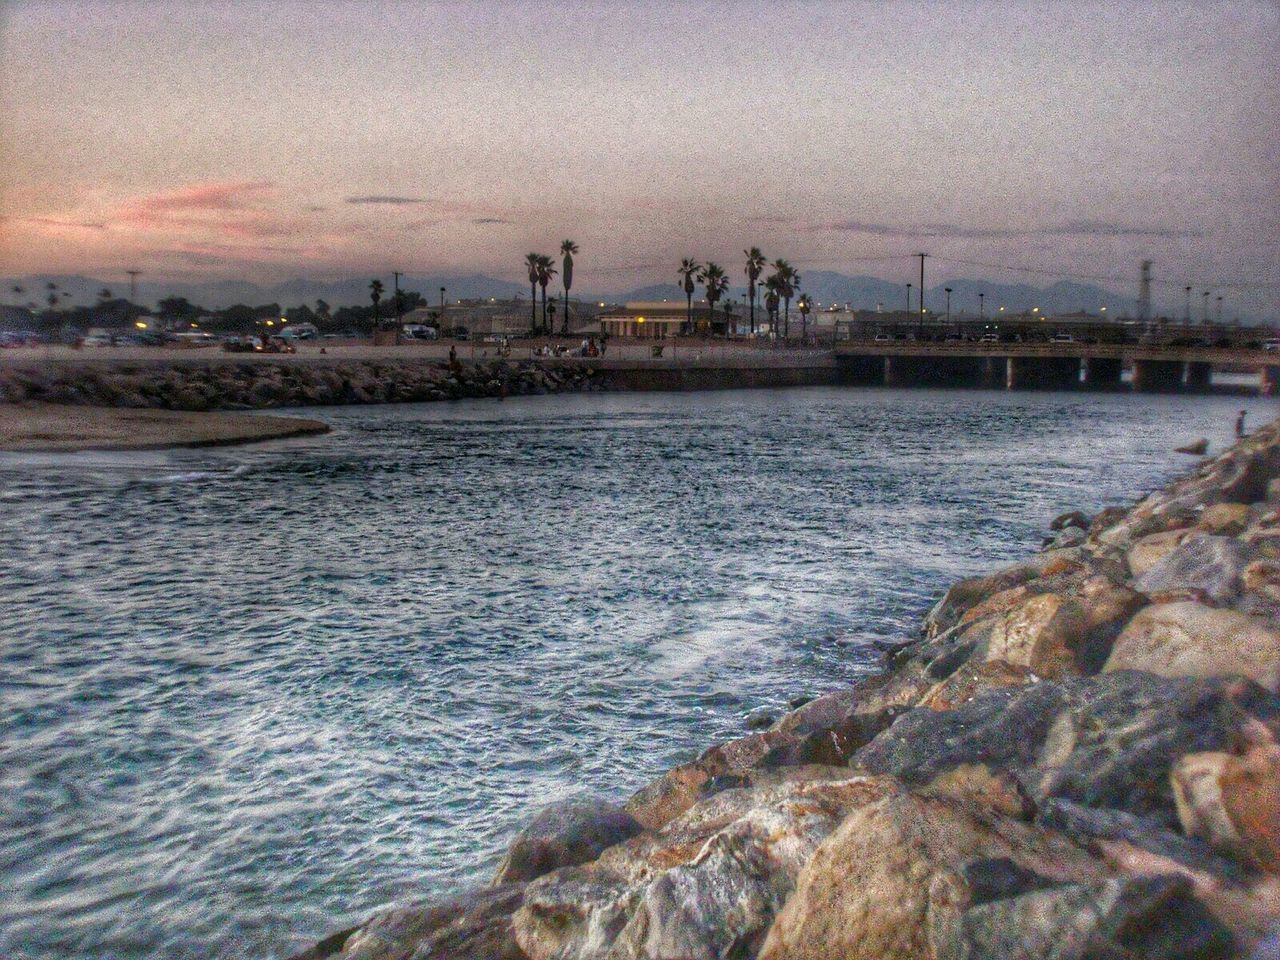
x,y
217,294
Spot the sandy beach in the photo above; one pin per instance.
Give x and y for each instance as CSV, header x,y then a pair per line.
x,y
49,427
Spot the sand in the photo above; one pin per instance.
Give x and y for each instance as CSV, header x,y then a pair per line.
x,y
47,427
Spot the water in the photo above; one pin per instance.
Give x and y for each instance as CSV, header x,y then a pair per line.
x,y
248,695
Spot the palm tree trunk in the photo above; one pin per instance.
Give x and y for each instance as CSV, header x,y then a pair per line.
x,y
544,311
564,321
751,295
533,307
688,316
786,318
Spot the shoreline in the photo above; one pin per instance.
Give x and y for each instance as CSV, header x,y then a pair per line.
x,y
1080,749
52,428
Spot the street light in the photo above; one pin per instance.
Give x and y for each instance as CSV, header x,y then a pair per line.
x,y
1186,317
1219,309
948,292
982,307
1204,316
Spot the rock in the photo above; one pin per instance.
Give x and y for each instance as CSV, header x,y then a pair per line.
x,y
1103,741
1262,577
1196,447
975,678
1225,519
565,834
890,883
1067,537
760,719
1200,562
1151,549
1192,640
473,926
1233,801
705,887
1073,519
1056,634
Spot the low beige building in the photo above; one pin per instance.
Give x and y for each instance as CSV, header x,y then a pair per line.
x,y
653,319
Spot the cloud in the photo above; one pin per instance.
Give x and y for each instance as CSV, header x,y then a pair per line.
x,y
391,201
1079,228
69,224
489,220
200,196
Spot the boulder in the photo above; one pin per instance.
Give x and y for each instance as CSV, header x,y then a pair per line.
x,y
473,926
1202,562
1197,447
1225,519
1151,549
1233,801
564,834
1058,634
893,881
1103,741
1072,519
1189,639
706,886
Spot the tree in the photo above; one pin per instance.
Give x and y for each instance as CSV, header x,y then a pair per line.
x,y
104,294
716,282
546,270
178,308
755,266
322,310
787,281
568,248
52,298
375,294
531,261
771,303
804,305
689,269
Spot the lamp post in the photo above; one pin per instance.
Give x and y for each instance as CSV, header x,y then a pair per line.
x,y
948,292
1204,314
982,307
1186,317
908,299
1219,310
442,326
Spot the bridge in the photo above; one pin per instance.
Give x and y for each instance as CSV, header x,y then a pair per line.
x,y
1159,368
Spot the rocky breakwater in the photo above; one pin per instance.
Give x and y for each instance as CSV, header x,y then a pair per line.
x,y
1079,757
230,385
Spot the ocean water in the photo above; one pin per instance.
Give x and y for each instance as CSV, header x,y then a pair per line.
x,y
248,695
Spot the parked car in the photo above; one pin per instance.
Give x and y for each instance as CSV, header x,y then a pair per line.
x,y
1271,346
1061,337
883,338
990,338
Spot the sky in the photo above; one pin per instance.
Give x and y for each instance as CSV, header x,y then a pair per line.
x,y
270,140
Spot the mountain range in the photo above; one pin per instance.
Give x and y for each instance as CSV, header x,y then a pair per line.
x,y
862,292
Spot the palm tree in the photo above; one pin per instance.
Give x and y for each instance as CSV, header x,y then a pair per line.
x,y
567,248
322,309
52,298
546,270
375,294
713,276
804,305
771,301
104,294
689,269
788,280
531,261
755,266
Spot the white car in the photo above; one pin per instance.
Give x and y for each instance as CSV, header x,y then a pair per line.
x,y
1063,338
1271,346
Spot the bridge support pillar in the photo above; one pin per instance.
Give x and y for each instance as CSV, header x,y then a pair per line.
x,y
1102,374
1199,377
1269,385
898,371
1042,373
1157,376
993,372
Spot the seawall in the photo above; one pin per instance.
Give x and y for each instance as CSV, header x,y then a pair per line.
x,y
1078,756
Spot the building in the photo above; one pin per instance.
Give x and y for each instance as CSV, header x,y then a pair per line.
x,y
656,319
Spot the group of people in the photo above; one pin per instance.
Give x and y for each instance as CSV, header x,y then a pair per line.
x,y
589,348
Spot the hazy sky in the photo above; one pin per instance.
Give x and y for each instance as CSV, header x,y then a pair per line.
x,y
275,139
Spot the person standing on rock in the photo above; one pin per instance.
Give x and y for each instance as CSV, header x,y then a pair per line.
x,y
1240,424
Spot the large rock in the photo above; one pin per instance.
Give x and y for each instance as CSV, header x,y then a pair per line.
x,y
1208,564
924,877
565,834
1233,801
473,926
705,887
1192,640
1104,741
1151,549
1059,634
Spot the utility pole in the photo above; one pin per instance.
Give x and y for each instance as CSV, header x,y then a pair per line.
x,y
908,301
982,306
922,256
133,284
1219,310
396,274
1204,314
1186,317
948,290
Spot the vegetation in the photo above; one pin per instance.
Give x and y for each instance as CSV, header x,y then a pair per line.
x,y
546,270
756,263
689,270
716,282
567,249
